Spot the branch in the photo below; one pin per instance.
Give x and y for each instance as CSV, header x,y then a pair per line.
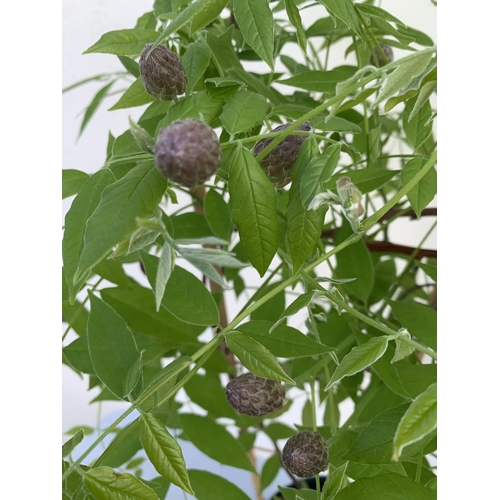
x,y
387,247
396,212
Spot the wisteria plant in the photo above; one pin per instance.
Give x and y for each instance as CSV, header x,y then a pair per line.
x,y
276,189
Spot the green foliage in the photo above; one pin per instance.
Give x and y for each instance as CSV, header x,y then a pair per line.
x,y
325,297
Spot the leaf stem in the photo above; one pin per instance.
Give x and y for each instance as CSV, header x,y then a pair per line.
x,y
419,466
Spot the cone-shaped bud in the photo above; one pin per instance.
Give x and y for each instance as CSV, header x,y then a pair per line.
x,y
187,152
278,164
162,73
255,396
305,454
380,60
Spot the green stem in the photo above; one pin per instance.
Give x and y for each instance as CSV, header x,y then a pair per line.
x,y
419,466
313,404
315,429
261,301
255,138
333,422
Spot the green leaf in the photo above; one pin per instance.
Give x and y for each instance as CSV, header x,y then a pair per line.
x,y
112,346
429,268
334,124
208,486
72,443
284,341
129,42
130,65
374,11
416,378
317,172
334,483
94,104
135,95
137,306
256,357
195,60
403,75
384,486
206,105
355,262
277,430
207,14
164,452
211,256
299,303
403,349
113,272
75,221
135,195
77,315
72,484
253,209
242,111
374,445
423,96
215,441
165,266
293,14
385,275
419,420
209,271
183,18
418,129
366,179
186,297
420,320
359,358
141,136
162,7
423,193
78,356
123,447
72,182
106,484
303,226
273,307
218,214
346,12
320,81
256,23
293,494
270,470
161,383
207,392
393,101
